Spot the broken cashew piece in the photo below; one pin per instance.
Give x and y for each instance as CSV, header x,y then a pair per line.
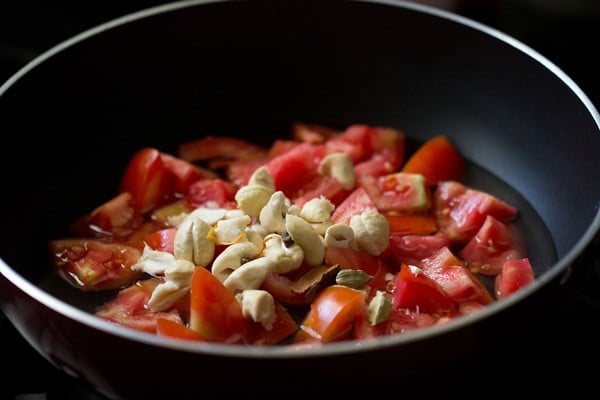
x,y
340,167
307,238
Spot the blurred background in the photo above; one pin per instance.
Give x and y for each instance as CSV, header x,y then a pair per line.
x,y
564,31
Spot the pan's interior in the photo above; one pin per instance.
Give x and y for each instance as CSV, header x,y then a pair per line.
x,y
249,69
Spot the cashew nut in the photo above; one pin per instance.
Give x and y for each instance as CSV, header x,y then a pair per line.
x,y
178,275
317,212
272,215
258,305
339,235
249,275
371,232
305,236
232,257
191,242
340,167
153,262
284,258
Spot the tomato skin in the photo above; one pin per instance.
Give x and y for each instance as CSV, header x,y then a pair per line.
x,y
416,290
215,313
175,329
162,240
296,167
515,275
437,160
333,312
116,218
283,327
146,179
211,193
181,173
92,265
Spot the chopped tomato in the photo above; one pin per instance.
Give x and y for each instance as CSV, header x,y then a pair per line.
x,y
515,275
162,240
283,327
183,173
411,223
146,179
128,308
460,210
356,203
215,313
321,186
493,245
401,192
92,265
175,329
136,239
410,249
333,312
414,290
211,193
296,167
437,160
452,275
116,218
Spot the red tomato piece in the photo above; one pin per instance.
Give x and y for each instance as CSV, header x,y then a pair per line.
x,y
238,172
212,193
333,312
321,186
401,192
283,327
92,265
175,329
437,160
183,173
410,249
413,289
296,167
356,203
146,179
493,245
452,275
116,218
515,275
215,313
162,240
461,211
128,308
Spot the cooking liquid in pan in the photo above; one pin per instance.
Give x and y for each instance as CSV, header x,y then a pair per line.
x,y
539,243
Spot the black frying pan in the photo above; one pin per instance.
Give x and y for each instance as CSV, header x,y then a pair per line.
x,y
171,74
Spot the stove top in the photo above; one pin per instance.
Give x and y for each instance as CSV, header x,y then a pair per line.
x,y
566,364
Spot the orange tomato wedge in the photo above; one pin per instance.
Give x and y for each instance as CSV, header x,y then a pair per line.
x,y
332,313
215,313
437,160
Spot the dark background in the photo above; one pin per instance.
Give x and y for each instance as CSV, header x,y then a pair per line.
x,y
564,31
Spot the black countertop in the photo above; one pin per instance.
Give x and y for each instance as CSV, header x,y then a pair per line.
x,y
565,32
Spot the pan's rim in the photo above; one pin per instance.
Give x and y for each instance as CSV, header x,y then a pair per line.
x,y
333,349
